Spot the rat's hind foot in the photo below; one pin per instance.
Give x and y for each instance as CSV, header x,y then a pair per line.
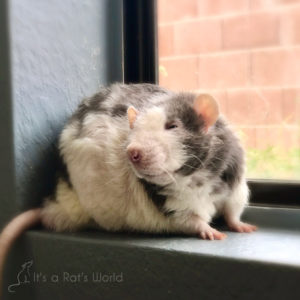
x,y
242,227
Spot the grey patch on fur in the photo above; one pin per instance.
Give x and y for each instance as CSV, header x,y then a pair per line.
x,y
153,191
119,110
196,148
221,144
227,159
190,120
217,189
91,105
169,213
180,107
217,151
195,142
196,181
137,95
62,172
233,173
65,175
144,88
115,96
199,183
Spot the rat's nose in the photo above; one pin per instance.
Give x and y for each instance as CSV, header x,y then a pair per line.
x,y
134,155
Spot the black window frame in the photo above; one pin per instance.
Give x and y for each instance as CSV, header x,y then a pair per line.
x,y
141,65
140,41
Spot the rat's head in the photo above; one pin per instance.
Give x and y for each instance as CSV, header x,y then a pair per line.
x,y
170,138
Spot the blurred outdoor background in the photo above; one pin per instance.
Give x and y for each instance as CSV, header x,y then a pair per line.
x,y
247,54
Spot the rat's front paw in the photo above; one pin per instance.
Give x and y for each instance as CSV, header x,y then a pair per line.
x,y
204,230
212,234
209,233
242,227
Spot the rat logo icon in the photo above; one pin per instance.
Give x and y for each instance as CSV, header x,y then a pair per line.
x,y
22,277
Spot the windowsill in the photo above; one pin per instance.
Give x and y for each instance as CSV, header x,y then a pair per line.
x,y
256,261
276,241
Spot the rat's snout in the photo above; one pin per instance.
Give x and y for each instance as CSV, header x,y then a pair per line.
x,y
134,154
147,158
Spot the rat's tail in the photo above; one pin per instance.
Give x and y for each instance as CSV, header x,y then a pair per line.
x,y
12,231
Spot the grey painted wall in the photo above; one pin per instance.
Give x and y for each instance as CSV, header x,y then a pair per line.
x,y
7,182
61,51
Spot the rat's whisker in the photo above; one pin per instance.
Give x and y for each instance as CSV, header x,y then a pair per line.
x,y
169,174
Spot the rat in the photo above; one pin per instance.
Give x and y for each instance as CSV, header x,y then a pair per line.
x,y
139,157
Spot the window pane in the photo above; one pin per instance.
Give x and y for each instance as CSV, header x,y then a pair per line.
x,y
247,54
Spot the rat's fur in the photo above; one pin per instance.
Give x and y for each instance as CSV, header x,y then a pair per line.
x,y
189,175
139,157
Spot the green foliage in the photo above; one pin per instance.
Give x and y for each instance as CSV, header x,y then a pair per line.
x,y
273,162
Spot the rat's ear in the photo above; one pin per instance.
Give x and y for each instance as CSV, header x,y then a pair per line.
x,y
131,113
206,106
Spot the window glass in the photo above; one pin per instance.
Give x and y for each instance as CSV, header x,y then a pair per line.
x,y
247,54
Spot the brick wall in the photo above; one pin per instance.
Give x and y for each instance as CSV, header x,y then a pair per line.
x,y
246,53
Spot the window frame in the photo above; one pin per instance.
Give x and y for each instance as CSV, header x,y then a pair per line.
x,y
140,41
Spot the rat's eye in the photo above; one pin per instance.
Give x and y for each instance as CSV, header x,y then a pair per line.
x,y
171,125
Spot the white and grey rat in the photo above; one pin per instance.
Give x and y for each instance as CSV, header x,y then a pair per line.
x,y
140,157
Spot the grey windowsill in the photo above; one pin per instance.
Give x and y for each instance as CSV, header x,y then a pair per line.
x,y
175,265
276,241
